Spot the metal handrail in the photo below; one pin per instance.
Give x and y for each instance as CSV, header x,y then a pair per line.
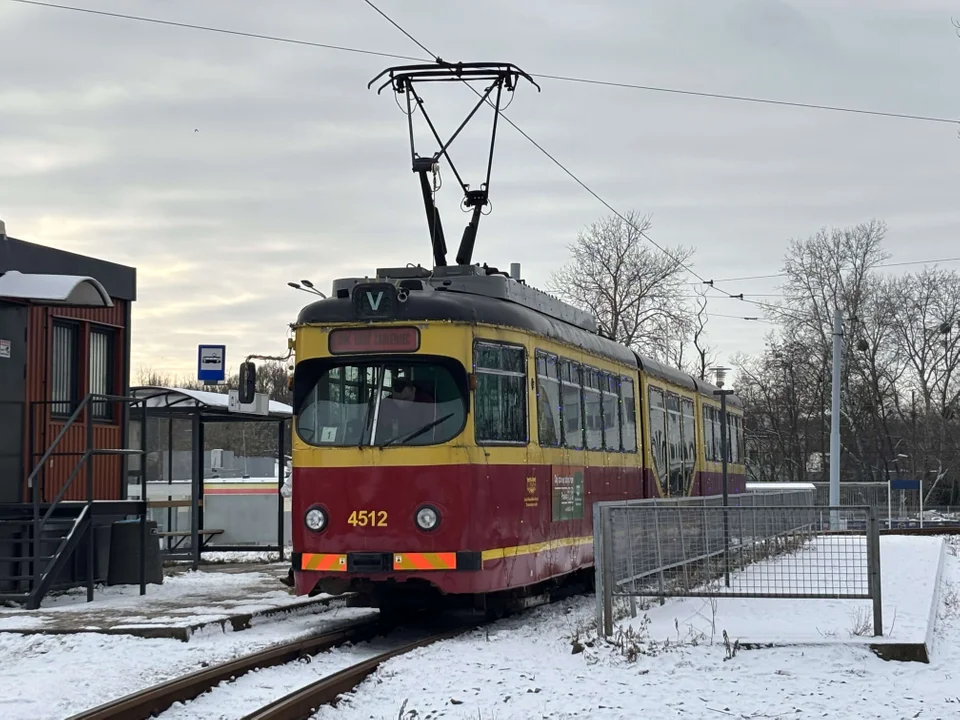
x,y
87,457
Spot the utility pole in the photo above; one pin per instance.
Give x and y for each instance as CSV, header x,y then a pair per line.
x,y
835,418
721,373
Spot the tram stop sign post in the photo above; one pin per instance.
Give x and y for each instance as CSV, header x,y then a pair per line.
x,y
211,364
902,485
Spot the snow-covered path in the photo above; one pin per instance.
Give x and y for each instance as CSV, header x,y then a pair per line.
x,y
526,668
523,667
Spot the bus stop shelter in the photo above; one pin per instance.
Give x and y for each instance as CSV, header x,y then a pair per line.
x,y
193,410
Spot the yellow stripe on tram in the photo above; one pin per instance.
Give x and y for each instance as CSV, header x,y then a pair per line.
x,y
506,552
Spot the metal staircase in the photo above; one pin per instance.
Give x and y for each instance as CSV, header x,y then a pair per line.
x,y
44,545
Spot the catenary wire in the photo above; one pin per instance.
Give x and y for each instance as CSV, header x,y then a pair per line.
x,y
572,175
545,76
274,38
563,78
748,99
211,28
904,263
391,21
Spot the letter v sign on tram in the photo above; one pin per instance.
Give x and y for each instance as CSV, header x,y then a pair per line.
x,y
375,301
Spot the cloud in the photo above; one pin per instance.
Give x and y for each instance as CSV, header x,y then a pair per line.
x,y
222,167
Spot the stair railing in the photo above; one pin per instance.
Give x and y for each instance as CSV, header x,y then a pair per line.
x,y
86,517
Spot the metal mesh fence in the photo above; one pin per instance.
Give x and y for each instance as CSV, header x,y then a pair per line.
x,y
894,508
770,545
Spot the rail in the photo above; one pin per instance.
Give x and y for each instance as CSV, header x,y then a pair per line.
x,y
158,698
303,703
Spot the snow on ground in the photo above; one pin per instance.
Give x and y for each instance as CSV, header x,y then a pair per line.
x,y
547,663
50,677
526,667
908,570
184,598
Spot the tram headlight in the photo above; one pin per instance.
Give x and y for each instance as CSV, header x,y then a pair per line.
x,y
427,518
315,519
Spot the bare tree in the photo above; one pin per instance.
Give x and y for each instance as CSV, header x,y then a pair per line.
x,y
634,290
900,384
705,354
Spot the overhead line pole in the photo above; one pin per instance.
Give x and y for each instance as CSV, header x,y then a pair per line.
x,y
835,417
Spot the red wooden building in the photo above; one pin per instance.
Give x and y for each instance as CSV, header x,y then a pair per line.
x,y
64,333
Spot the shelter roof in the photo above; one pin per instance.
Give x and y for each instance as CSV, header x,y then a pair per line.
x,y
204,400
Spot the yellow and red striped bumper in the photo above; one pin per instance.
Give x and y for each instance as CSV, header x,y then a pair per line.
x,y
387,562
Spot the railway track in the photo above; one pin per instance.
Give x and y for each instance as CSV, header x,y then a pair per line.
x,y
158,698
298,704
302,703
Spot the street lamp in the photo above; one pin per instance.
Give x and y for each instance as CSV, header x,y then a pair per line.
x,y
720,374
307,287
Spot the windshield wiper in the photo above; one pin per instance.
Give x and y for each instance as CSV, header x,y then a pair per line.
x,y
418,431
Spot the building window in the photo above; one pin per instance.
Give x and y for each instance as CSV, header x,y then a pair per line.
x,y
101,371
63,390
500,399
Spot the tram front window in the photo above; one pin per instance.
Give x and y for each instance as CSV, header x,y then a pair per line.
x,y
379,403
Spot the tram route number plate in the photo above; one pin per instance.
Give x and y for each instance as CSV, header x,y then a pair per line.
x,y
567,492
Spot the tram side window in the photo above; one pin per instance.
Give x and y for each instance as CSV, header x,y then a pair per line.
x,y
689,444
548,399
592,407
611,412
675,439
628,415
572,404
709,450
733,438
658,435
717,436
501,394
742,437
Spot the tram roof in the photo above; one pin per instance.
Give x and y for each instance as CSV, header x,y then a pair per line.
x,y
468,308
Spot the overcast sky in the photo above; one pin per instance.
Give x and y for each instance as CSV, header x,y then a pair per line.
x,y
221,167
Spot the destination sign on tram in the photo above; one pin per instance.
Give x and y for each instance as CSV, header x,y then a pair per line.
x,y
371,340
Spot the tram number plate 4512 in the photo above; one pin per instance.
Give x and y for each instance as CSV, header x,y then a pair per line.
x,y
363,518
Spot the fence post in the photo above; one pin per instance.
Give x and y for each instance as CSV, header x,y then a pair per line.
x,y
630,569
889,504
873,575
598,564
607,545
660,581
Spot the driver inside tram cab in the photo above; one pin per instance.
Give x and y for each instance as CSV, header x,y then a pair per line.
x,y
406,409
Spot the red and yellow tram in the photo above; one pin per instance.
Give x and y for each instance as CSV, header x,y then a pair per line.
x,y
454,427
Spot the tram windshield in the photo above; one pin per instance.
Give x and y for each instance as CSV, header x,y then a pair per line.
x,y
381,403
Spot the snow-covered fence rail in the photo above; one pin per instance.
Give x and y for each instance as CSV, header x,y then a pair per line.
x,y
754,549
